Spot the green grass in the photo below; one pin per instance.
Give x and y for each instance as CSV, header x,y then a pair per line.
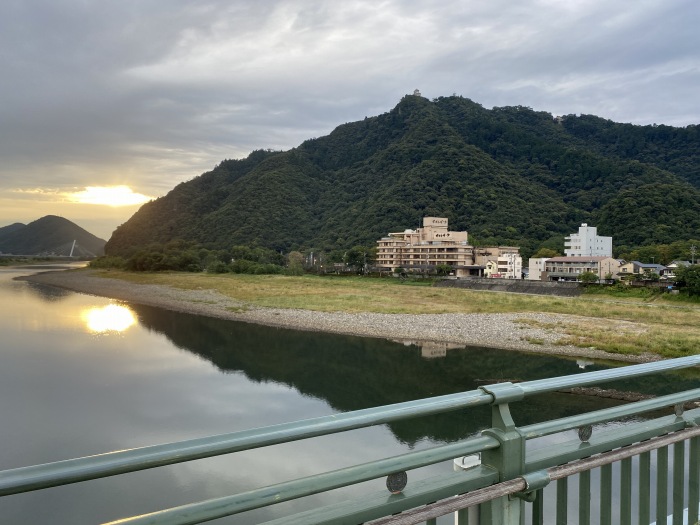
x,y
534,340
237,309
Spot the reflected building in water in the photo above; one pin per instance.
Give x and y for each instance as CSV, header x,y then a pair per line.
x,y
431,349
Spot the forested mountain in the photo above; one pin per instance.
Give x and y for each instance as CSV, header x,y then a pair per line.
x,y
50,235
507,175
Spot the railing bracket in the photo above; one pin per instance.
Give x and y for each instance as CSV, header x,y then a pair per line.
x,y
504,392
534,481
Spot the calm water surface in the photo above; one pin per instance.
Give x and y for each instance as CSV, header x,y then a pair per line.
x,y
83,375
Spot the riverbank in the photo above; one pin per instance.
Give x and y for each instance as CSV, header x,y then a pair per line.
x,y
513,331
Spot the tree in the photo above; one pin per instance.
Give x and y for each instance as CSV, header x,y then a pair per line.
x,y
588,277
545,252
359,257
295,263
688,278
443,269
650,275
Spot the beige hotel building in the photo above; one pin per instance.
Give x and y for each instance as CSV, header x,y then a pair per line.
x,y
433,245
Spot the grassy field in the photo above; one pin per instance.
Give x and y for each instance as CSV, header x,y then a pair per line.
x,y
613,322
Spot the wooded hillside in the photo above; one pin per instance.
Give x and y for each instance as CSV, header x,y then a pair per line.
x,y
507,175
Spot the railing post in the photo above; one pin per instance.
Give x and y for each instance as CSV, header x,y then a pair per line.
x,y
508,459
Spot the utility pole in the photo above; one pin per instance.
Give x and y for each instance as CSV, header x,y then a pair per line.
x,y
692,254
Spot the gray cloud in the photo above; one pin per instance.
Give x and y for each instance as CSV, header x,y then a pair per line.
x,y
150,93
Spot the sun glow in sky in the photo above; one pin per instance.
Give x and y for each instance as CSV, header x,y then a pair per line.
x,y
108,195
110,318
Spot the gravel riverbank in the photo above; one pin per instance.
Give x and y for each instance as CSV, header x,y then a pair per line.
x,y
506,331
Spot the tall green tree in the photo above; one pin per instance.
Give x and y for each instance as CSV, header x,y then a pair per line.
x,y
360,258
295,263
688,278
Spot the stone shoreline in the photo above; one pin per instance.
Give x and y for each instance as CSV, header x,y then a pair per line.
x,y
505,331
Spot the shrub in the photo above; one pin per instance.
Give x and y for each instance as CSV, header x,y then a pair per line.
x,y
218,267
108,261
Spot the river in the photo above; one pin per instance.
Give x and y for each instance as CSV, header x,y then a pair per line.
x,y
83,375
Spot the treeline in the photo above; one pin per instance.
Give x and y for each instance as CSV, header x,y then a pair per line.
x,y
184,256
187,256
661,253
177,255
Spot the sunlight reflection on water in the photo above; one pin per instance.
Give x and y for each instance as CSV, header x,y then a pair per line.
x,y
110,318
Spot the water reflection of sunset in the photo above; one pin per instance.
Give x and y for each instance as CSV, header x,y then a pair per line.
x,y
110,318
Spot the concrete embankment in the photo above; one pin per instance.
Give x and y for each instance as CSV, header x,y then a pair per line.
x,y
560,289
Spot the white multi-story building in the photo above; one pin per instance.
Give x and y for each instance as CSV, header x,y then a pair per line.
x,y
536,267
507,266
587,243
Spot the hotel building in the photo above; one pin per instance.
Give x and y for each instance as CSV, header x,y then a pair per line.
x,y
434,245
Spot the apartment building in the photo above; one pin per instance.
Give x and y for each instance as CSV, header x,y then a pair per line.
x,y
570,268
586,251
500,262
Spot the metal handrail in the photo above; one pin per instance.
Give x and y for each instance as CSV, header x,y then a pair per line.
x,y
81,469
288,490
547,428
519,484
219,507
541,386
47,475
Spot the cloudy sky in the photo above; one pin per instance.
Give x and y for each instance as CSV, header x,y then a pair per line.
x,y
116,101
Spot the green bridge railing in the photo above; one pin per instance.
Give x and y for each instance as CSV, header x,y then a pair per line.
x,y
505,483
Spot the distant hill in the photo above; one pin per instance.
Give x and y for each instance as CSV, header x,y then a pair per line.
x,y
6,230
50,235
507,175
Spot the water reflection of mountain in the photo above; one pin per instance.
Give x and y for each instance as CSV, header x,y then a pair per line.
x,y
351,373
49,294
